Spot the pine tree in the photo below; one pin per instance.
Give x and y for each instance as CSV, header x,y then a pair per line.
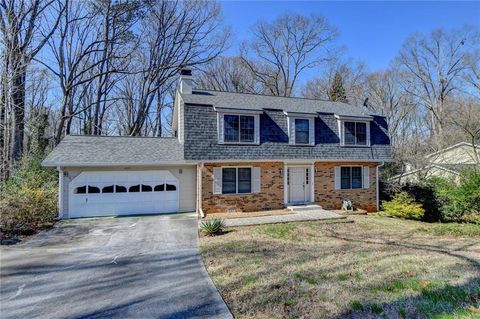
x,y
337,91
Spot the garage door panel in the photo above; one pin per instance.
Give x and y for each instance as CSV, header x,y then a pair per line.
x,y
139,198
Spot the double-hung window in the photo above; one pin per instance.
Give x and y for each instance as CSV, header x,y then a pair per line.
x,y
236,180
351,177
355,133
239,128
302,131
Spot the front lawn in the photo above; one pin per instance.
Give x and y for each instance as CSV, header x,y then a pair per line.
x,y
374,267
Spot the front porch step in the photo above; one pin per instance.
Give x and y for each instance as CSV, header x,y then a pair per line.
x,y
301,208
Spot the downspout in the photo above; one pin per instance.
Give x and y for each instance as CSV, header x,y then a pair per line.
x,y
60,193
200,191
377,180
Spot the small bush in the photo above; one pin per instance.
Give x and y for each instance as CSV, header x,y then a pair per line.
x,y
403,206
212,227
28,200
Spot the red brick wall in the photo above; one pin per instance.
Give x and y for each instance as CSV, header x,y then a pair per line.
x,y
329,198
270,196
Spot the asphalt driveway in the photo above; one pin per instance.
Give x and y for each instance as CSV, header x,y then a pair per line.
x,y
131,267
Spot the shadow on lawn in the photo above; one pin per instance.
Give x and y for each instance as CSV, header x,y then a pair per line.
x,y
433,300
448,301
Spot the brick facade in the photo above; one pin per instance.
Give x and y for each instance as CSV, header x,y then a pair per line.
x,y
330,198
271,195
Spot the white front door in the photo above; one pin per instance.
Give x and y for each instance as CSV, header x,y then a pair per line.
x,y
299,188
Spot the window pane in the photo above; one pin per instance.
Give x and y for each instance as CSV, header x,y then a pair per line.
x,y
247,128
345,178
120,189
160,188
244,180
107,189
171,187
134,189
146,188
301,131
361,133
231,128
93,190
81,190
229,180
356,177
350,133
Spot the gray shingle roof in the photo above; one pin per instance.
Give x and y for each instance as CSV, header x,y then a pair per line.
x,y
75,150
255,102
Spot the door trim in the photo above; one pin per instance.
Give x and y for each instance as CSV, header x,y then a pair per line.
x,y
309,188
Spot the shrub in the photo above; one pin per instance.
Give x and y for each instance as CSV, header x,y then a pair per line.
x,y
459,201
28,200
403,206
423,193
212,227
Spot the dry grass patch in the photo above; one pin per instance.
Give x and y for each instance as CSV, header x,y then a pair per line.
x,y
375,267
249,214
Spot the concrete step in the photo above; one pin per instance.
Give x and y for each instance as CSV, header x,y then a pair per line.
x,y
301,208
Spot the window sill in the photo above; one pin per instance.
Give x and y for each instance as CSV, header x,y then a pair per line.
x,y
303,145
239,143
239,194
355,146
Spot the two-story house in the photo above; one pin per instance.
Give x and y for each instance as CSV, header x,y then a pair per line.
x,y
231,152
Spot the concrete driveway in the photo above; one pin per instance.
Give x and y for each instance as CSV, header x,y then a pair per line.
x,y
131,267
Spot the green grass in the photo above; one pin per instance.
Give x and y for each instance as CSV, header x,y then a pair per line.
x,y
451,229
356,305
279,231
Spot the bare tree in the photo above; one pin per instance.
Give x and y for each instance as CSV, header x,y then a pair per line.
x,y
80,60
435,63
282,50
229,74
353,75
26,26
466,117
174,35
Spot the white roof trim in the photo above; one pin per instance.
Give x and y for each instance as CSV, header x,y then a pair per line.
x,y
408,173
353,118
300,114
237,110
451,148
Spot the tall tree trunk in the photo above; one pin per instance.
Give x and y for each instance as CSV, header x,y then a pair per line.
x,y
18,114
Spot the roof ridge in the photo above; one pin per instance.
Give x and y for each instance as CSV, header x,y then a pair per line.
x,y
277,96
123,136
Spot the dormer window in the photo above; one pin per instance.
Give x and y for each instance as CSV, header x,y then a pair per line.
x,y
239,128
242,127
301,128
354,131
302,131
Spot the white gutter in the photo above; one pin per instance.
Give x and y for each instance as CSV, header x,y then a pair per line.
x,y
377,184
200,191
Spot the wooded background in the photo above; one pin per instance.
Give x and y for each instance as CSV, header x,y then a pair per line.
x,y
105,67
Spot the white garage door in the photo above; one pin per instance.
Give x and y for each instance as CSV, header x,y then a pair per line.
x,y
123,193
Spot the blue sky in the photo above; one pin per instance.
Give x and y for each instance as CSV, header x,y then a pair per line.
x,y
372,32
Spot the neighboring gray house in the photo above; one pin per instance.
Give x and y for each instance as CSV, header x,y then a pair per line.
x,y
447,163
232,152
